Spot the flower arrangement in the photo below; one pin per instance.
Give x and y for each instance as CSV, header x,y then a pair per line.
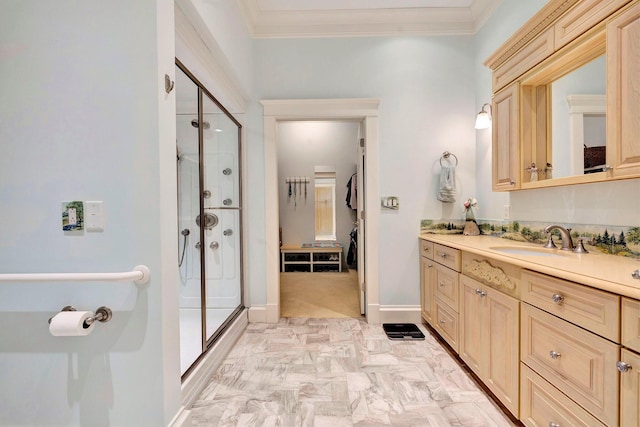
x,y
469,204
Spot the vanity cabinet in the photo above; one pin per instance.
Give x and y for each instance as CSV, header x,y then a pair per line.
x,y
563,37
440,266
489,339
426,281
630,366
505,139
623,84
579,363
554,351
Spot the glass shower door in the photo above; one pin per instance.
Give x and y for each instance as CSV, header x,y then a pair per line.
x,y
188,172
209,218
221,167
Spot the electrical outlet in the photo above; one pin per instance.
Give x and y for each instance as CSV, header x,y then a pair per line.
x,y
73,216
507,211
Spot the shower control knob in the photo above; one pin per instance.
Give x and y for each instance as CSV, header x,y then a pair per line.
x,y
198,245
226,171
228,232
206,194
214,245
227,202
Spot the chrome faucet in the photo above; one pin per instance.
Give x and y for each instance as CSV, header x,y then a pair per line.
x,y
565,233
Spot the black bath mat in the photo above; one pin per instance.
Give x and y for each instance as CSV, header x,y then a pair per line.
x,y
402,331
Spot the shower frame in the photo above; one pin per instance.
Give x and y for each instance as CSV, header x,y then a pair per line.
x,y
207,342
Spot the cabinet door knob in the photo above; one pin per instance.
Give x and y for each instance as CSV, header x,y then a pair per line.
x,y
443,255
557,298
636,274
623,366
552,424
425,248
429,266
442,322
441,284
554,354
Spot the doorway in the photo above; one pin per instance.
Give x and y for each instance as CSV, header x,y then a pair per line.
x,y
360,110
319,195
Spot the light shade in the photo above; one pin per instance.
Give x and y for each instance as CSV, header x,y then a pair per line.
x,y
483,120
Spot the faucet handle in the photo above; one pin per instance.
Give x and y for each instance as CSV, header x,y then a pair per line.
x,y
580,249
550,244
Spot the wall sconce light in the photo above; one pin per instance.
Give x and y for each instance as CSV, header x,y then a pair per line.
x,y
483,120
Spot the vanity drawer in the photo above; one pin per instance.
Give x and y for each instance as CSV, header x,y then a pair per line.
x,y
447,256
541,404
446,286
580,364
426,249
446,323
631,323
593,309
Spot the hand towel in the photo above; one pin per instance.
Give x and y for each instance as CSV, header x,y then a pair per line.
x,y
447,190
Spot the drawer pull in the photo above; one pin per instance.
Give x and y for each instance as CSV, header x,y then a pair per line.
x,y
481,292
636,274
557,298
552,424
442,322
554,354
430,266
443,255
623,366
425,248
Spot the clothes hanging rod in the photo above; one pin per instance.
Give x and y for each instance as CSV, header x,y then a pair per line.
x,y
140,274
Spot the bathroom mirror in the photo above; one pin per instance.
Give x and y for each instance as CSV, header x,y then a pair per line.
x,y
564,117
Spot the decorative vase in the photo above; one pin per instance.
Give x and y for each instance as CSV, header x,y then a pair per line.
x,y
470,226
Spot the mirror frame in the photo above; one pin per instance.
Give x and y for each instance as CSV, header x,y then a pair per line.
x,y
535,95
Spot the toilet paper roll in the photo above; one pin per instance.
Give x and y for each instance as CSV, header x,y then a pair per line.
x,y
71,324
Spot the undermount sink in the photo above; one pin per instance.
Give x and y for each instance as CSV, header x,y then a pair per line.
x,y
515,250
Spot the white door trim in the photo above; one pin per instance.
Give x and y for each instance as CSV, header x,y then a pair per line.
x,y
365,110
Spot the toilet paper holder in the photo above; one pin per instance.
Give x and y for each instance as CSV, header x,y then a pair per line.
x,y
102,314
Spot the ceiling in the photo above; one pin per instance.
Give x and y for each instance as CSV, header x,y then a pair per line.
x,y
339,18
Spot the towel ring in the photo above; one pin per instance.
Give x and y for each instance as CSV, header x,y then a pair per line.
x,y
446,155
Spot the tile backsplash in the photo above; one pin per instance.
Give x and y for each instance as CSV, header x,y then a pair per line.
x,y
613,240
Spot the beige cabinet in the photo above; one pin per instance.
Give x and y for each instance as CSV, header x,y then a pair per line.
x,y
489,339
623,87
629,388
580,364
506,139
439,271
426,288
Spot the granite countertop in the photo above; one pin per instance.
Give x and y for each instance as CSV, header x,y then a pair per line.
x,y
607,272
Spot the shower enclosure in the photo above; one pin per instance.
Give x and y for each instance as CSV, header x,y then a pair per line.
x,y
209,217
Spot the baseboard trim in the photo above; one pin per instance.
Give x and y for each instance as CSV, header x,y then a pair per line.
x,y
182,418
400,314
269,313
199,377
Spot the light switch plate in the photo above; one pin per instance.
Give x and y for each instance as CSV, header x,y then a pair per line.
x,y
94,215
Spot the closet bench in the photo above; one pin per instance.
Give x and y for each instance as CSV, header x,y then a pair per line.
x,y
310,259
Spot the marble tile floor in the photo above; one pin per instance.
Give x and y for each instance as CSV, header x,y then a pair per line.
x,y
340,372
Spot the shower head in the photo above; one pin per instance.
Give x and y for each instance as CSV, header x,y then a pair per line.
x,y
195,124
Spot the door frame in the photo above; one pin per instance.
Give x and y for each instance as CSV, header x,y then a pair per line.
x,y
364,110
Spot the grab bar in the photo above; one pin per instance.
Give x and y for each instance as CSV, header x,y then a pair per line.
x,y
139,275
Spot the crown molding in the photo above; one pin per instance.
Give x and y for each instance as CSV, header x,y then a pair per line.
x,y
365,22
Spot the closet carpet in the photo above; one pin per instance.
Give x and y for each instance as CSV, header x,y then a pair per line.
x,y
319,295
